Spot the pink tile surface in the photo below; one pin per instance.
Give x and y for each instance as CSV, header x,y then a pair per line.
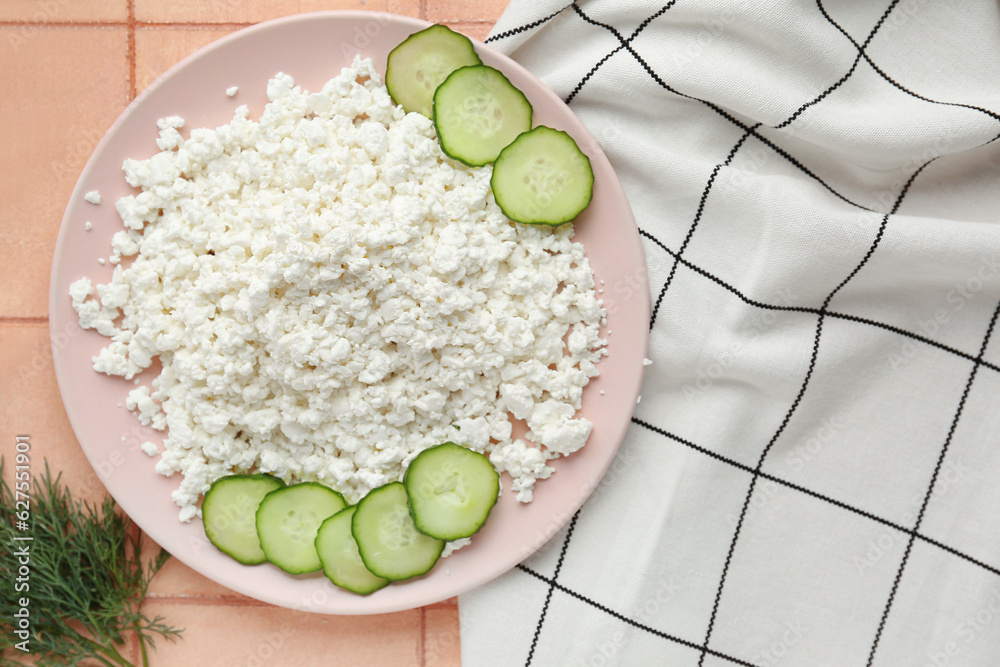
x,y
441,638
75,65
252,11
31,407
56,11
62,106
158,48
475,29
484,12
220,633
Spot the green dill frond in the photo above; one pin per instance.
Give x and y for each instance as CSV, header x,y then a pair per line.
x,y
87,578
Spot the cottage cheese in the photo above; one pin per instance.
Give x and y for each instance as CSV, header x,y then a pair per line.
x,y
328,295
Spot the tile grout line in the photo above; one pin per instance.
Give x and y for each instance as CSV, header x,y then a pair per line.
x,y
235,600
192,25
197,600
184,25
64,24
131,49
422,639
15,320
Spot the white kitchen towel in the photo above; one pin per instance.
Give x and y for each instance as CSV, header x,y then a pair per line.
x,y
812,476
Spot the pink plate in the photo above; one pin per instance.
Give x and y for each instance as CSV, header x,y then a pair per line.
x,y
312,48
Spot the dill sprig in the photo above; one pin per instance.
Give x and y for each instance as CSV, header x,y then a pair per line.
x,y
87,579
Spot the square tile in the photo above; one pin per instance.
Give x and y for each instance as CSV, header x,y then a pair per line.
x,y
157,49
253,11
222,634
457,11
176,580
72,84
30,405
442,646
57,11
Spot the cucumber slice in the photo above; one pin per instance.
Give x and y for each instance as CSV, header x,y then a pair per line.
x,y
287,521
390,545
542,177
477,112
227,513
418,65
338,552
451,490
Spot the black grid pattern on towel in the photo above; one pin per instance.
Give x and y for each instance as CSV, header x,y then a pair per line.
x,y
657,251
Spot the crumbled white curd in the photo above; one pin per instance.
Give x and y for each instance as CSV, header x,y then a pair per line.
x,y
328,295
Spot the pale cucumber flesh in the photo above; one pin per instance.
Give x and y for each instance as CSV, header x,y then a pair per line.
x,y
451,490
542,177
338,552
418,65
288,520
478,112
390,545
228,514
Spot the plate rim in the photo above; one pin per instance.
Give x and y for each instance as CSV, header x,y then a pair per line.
x,y
57,297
